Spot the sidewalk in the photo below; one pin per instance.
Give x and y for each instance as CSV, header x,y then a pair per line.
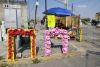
x,y
3,49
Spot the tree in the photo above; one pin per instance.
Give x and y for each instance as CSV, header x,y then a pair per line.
x,y
44,17
86,19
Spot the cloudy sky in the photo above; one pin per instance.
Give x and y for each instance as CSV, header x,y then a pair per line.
x,y
86,8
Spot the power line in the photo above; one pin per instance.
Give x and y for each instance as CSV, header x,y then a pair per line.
x,y
73,3
92,6
75,11
59,1
33,5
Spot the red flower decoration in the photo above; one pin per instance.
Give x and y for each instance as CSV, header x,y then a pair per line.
x,y
11,32
10,50
33,53
31,32
22,32
17,32
27,33
10,43
33,45
10,38
10,56
34,36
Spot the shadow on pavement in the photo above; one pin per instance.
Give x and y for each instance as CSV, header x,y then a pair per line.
x,y
56,46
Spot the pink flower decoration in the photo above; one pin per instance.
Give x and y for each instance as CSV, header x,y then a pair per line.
x,y
48,42
47,32
47,52
47,37
65,45
65,37
48,46
57,33
65,50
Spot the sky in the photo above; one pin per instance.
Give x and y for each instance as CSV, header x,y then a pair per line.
x,y
86,8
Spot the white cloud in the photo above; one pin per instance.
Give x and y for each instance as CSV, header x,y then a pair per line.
x,y
82,6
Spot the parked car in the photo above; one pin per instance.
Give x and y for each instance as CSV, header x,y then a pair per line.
x,y
98,25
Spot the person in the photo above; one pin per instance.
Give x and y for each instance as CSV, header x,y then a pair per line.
x,y
42,22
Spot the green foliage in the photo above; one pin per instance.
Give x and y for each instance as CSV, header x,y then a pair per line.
x,y
93,21
84,22
44,17
86,19
36,61
1,58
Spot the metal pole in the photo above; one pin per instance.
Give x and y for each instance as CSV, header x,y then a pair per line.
x,y
35,13
46,15
29,10
66,3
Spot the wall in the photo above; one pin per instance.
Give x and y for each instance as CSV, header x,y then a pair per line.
x,y
97,16
23,12
1,12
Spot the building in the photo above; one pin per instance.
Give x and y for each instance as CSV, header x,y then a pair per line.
x,y
13,14
97,16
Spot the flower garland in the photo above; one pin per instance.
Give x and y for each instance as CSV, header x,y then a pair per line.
x,y
15,32
55,32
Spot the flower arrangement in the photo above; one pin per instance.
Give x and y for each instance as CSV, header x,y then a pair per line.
x,y
14,32
55,32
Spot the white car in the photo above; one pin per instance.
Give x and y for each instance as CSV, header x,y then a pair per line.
x,y
98,25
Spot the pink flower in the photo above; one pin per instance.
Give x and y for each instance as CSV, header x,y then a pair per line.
x,y
65,50
65,37
47,52
65,45
46,32
48,42
47,37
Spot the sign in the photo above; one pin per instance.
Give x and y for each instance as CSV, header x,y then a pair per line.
x,y
51,20
11,6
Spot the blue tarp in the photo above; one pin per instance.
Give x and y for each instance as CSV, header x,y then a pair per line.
x,y
59,11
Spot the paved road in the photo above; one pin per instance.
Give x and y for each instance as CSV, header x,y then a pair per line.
x,y
70,62
91,34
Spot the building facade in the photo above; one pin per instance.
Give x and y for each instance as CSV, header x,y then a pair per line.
x,y
13,14
97,17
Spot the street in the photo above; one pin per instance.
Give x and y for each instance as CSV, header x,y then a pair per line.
x,y
91,34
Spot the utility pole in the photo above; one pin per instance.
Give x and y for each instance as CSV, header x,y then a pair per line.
x,y
37,3
72,8
66,3
72,17
46,15
29,10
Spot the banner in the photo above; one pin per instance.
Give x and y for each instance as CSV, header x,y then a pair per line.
x,y
51,20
